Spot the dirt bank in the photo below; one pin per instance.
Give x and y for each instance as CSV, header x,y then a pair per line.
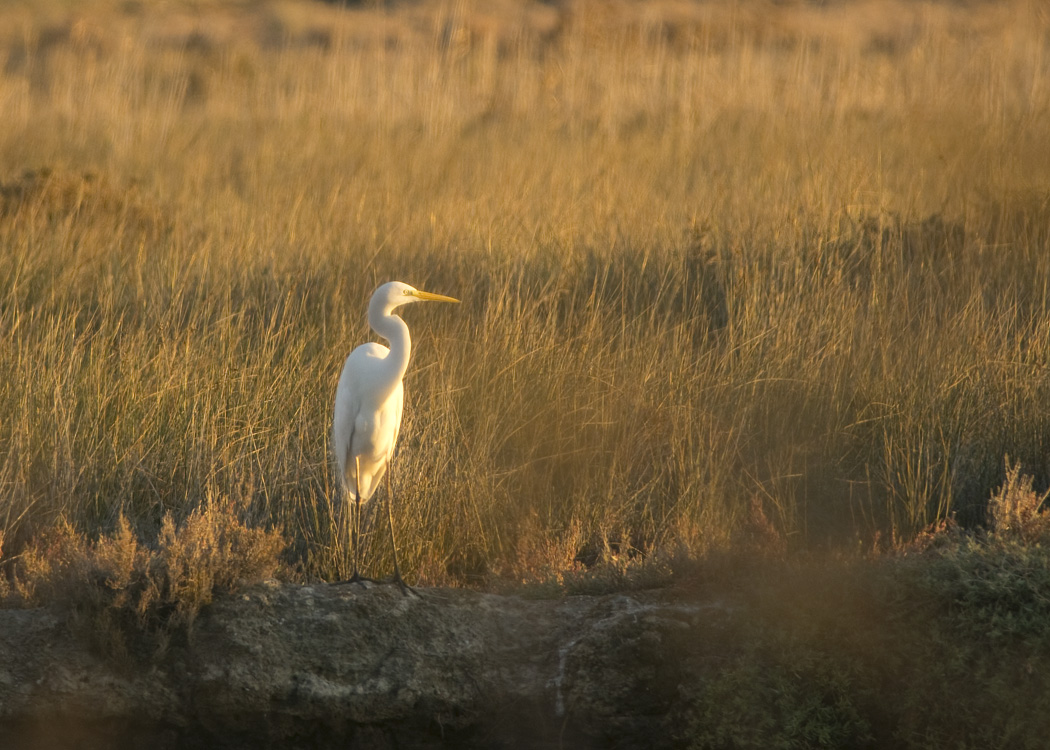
x,y
327,666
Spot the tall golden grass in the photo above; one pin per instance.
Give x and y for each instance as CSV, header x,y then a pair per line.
x,y
719,262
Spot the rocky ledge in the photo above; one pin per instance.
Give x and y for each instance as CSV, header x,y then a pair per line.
x,y
346,666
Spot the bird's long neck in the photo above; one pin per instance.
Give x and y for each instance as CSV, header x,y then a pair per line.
x,y
395,331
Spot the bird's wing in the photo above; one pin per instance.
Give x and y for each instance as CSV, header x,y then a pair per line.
x,y
375,435
347,407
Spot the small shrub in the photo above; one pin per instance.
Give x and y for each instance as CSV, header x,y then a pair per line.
x,y
1015,511
126,596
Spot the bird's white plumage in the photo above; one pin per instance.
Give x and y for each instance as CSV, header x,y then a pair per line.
x,y
370,394
365,427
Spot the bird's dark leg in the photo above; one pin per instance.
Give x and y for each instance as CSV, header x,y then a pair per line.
x,y
405,588
355,527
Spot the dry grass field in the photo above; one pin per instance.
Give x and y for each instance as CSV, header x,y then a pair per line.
x,y
744,273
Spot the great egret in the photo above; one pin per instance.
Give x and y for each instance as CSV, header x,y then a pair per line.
x,y
368,403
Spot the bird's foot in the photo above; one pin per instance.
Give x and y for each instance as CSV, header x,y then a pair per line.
x,y
405,588
356,578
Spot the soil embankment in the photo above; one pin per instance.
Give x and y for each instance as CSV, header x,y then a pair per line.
x,y
949,648
282,665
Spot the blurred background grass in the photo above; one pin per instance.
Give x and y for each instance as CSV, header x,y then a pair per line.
x,y
725,267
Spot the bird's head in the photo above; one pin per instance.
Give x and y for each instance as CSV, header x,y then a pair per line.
x,y
393,294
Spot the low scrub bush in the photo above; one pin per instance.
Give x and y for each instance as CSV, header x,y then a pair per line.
x,y
131,598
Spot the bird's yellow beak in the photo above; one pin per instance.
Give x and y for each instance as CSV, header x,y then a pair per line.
x,y
431,297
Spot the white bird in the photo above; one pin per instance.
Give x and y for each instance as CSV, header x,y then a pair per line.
x,y
368,404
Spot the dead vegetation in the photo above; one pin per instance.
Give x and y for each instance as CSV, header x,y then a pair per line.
x,y
131,598
770,276
1017,512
